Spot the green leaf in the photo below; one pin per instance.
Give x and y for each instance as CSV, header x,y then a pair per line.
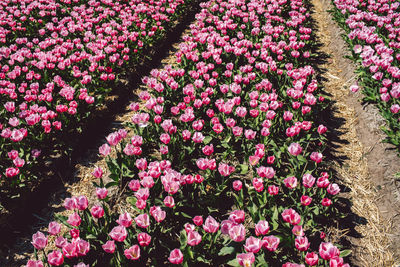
x,y
233,263
211,209
275,218
226,251
131,200
114,177
183,239
345,253
91,237
261,261
114,183
244,168
201,259
63,220
185,215
207,139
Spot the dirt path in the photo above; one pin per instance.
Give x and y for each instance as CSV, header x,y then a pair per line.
x,y
369,167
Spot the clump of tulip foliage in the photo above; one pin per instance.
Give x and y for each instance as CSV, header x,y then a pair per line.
x,y
59,59
224,165
373,35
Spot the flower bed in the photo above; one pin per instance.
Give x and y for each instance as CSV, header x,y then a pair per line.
x,y
373,35
59,61
226,162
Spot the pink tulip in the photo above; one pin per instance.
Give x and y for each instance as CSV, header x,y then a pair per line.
x,y
237,232
134,185
132,253
60,242
70,203
141,164
295,149
176,256
266,172
315,156
125,220
252,244
308,180
328,251
290,182
157,213
333,189
193,238
165,138
142,220
97,172
82,247
74,219
32,263
258,184
322,182
311,258
118,233
326,202
189,227
101,193
82,202
39,240
210,225
109,246
169,201
225,169
297,230
104,150
70,250
54,228
74,232
237,185
11,172
13,154
337,262
322,129
273,190
55,258
245,259
237,216
395,108
301,243
291,216
262,228
202,163
271,242
144,239
198,220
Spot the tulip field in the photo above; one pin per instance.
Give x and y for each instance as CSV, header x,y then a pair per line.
x,y
59,62
373,33
225,160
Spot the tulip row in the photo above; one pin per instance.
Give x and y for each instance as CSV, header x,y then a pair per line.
x,y
59,60
373,34
222,163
